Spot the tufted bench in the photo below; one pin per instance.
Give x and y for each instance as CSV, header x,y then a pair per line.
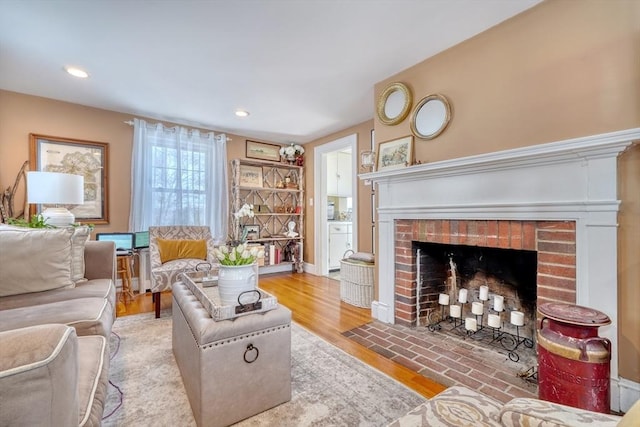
x,y
231,369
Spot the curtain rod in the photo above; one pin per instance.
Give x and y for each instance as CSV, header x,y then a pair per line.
x,y
130,123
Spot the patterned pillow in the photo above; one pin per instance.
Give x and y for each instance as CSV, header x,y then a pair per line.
x,y
454,407
181,249
539,413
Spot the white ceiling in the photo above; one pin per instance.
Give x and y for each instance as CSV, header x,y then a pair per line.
x,y
302,68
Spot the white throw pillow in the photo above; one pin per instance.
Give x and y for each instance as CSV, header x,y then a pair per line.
x,y
35,260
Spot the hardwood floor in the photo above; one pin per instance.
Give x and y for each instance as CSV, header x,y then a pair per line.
x,y
315,305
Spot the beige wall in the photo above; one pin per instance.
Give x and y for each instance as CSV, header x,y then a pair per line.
x,y
22,114
363,133
562,69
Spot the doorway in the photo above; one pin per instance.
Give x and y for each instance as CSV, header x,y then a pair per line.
x,y
336,214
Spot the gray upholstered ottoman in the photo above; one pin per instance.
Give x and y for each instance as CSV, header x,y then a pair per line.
x,y
231,369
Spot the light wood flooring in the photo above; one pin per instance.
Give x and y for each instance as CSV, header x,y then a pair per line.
x,y
316,306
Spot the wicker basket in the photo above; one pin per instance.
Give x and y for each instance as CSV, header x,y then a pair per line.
x,y
356,282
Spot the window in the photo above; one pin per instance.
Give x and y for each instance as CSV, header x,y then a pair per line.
x,y
179,178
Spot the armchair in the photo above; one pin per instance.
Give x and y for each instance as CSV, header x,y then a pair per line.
x,y
180,247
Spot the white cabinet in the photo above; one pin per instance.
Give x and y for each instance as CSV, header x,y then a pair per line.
x,y
339,242
339,174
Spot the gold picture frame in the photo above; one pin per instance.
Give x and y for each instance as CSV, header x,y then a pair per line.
x,y
250,176
431,116
262,151
395,154
394,104
87,158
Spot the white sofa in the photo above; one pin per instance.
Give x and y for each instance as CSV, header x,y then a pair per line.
x,y
54,352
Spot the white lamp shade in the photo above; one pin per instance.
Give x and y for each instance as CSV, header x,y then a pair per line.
x,y
54,188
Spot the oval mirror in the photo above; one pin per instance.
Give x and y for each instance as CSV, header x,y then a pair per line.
x,y
394,103
430,117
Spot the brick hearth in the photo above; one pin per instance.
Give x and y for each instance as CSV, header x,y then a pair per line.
x,y
554,241
447,360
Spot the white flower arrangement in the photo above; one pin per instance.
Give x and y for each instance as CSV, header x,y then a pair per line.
x,y
245,210
238,255
291,150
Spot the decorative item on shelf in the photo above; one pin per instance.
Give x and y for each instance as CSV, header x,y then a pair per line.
x,y
290,181
367,160
291,229
239,232
292,154
252,232
237,274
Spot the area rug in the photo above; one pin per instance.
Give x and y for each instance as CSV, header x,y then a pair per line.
x,y
329,386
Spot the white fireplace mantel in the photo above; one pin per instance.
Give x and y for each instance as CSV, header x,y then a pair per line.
x,y
574,179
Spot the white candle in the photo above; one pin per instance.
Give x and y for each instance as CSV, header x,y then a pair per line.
x,y
484,293
493,320
517,318
443,299
455,311
477,308
470,324
498,303
462,296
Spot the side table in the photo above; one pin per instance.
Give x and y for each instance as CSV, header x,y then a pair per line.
x,y
124,270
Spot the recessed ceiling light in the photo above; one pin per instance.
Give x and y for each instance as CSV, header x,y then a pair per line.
x,y
242,113
77,72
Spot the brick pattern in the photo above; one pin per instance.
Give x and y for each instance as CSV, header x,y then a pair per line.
x,y
554,241
447,359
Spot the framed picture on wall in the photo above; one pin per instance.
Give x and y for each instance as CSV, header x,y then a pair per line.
x,y
395,154
79,157
262,151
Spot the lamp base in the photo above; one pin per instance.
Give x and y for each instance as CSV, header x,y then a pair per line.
x,y
58,217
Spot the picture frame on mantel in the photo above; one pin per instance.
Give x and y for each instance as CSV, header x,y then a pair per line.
x,y
79,157
262,151
395,154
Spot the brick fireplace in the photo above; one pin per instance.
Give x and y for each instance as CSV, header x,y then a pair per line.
x,y
559,199
553,241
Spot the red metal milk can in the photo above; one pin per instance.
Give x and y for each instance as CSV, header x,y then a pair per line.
x,y
573,361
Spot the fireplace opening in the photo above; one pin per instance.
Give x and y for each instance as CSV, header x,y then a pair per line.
x,y
481,293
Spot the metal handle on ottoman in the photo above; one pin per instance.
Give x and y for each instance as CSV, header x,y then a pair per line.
x,y
250,347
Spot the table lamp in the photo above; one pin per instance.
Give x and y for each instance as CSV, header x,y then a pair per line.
x,y
54,188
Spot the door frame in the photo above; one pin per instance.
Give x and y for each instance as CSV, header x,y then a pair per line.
x,y
321,231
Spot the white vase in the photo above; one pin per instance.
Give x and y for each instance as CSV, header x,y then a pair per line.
x,y
235,279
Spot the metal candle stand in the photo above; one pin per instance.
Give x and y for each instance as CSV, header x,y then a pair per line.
x,y
507,340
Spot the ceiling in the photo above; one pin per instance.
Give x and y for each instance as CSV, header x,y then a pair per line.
x,y
302,68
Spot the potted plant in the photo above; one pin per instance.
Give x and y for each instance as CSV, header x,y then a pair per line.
x,y
237,273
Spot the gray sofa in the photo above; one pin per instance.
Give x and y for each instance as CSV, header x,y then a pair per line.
x,y
54,352
460,406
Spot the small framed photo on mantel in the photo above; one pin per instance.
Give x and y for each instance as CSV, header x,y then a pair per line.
x,y
395,154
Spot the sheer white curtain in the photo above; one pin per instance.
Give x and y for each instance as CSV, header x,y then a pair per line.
x,y
179,177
